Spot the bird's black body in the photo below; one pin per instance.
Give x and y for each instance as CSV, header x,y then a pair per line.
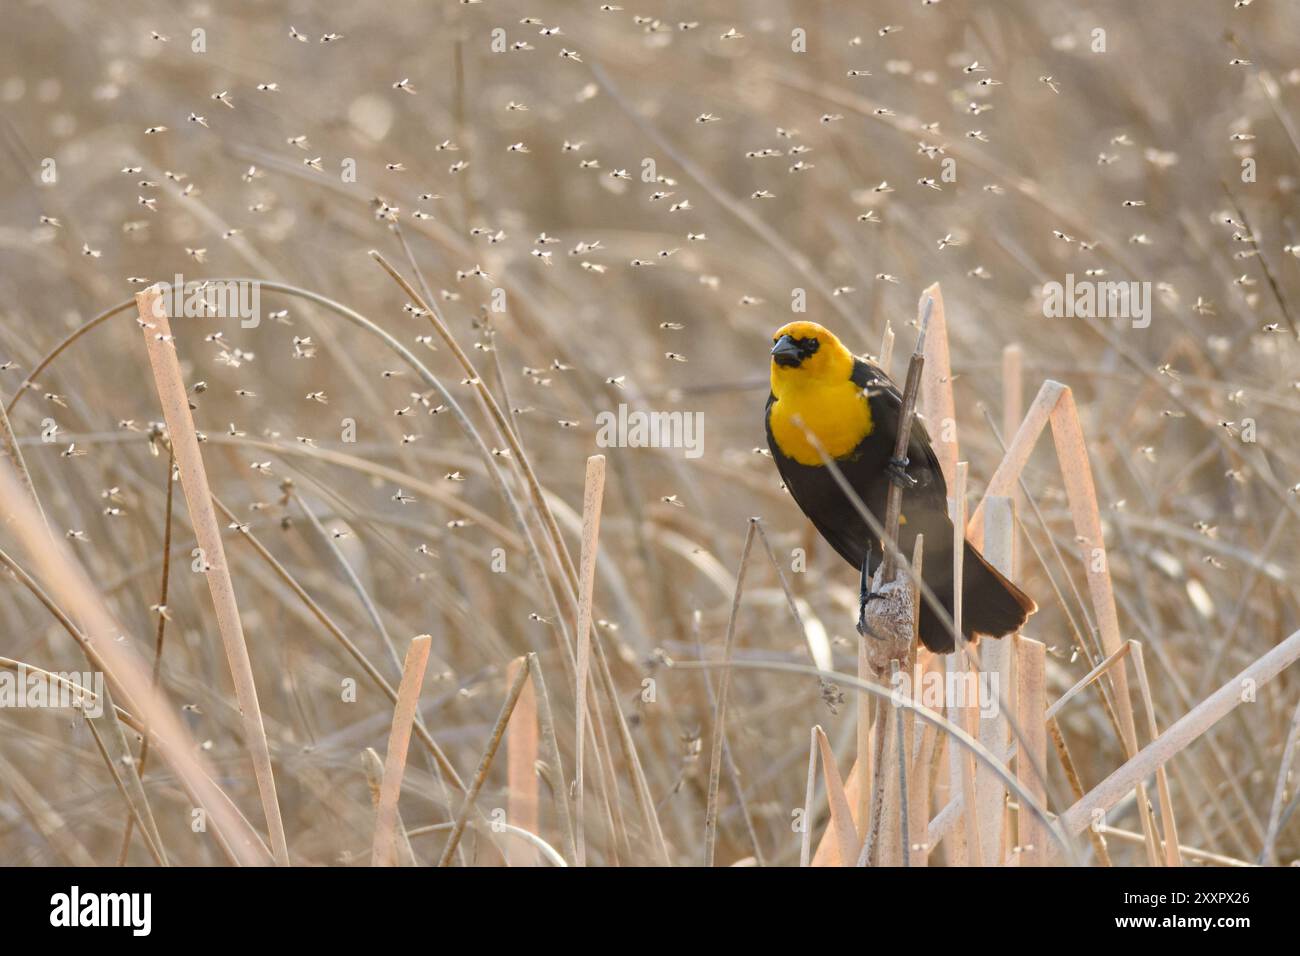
x,y
991,604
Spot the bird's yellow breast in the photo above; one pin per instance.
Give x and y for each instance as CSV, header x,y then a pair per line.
x,y
838,415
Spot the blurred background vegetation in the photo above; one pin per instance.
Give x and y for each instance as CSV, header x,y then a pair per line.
x,y
789,146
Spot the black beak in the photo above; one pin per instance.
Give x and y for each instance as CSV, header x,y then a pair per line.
x,y
786,352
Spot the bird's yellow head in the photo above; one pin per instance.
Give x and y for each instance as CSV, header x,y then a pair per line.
x,y
805,355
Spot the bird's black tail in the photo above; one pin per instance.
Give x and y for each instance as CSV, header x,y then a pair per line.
x,y
991,605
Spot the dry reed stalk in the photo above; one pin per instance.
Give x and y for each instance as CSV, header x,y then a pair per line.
x,y
1180,734
384,849
134,792
911,390
550,749
1055,405
810,788
146,831
1013,412
1268,853
954,810
882,641
1190,852
952,732
1170,834
567,574
521,769
841,822
374,770
15,454
1031,707
720,707
963,848
160,345
502,423
888,830
711,699
121,667
887,347
898,854
935,402
819,645
864,758
354,581
160,633
120,747
827,852
44,818
592,498
485,763
1076,787
879,756
995,657
919,785
436,751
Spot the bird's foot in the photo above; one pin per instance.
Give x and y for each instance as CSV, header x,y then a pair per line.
x,y
897,471
864,595
865,629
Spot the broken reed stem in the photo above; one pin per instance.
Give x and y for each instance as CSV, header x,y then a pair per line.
x,y
485,764
720,708
592,499
374,771
841,823
521,770
172,395
894,503
384,851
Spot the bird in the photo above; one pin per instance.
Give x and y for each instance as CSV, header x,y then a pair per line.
x,y
850,406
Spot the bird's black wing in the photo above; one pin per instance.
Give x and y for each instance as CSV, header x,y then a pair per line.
x,y
886,410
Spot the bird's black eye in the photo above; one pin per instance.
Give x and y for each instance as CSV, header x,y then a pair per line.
x,y
808,346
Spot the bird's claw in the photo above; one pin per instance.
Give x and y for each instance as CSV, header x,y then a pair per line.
x,y
897,470
864,629
865,596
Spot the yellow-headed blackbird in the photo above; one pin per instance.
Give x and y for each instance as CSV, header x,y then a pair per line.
x,y
853,410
